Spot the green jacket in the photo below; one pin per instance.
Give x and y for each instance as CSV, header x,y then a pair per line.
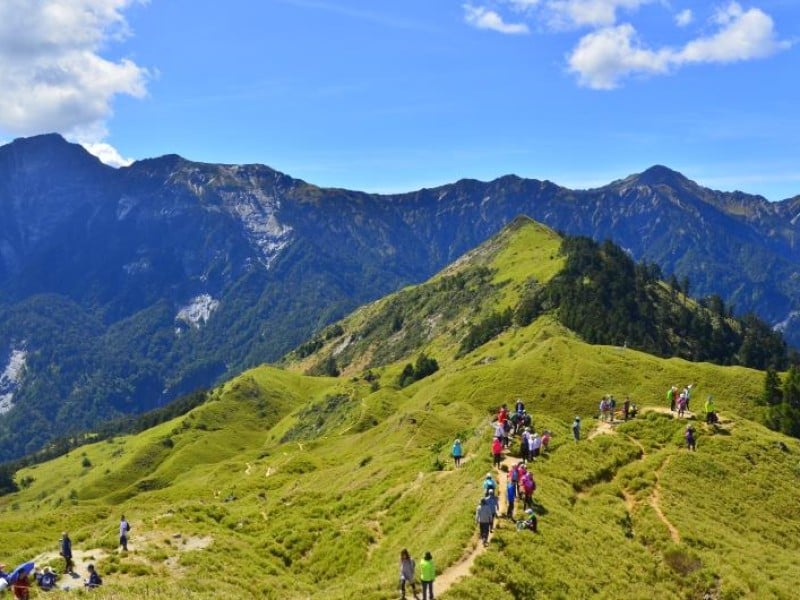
x,y
427,571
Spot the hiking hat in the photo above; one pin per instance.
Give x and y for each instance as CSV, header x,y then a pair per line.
x,y
428,556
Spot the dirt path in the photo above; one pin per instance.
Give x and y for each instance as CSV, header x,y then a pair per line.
x,y
655,502
462,568
603,428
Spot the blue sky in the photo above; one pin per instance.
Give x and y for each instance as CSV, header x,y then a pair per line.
x,y
392,96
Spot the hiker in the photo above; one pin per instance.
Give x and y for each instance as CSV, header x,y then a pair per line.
x,y
497,452
535,446
671,397
682,404
511,496
524,445
528,487
691,442
688,391
407,567
529,522
489,484
522,470
506,432
502,414
626,408
612,407
527,419
711,415
47,580
576,428
427,573
494,504
546,436
457,452
634,410
21,588
66,552
498,430
483,516
94,579
515,422
124,528
519,408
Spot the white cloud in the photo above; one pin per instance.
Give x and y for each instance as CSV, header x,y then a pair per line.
x,y
52,74
483,18
606,56
684,18
107,153
744,35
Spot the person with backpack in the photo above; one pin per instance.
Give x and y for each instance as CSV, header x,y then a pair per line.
x,y
672,397
124,528
407,567
457,452
94,579
691,441
576,429
528,487
711,411
66,552
483,516
427,573
494,503
511,496
524,445
497,452
489,484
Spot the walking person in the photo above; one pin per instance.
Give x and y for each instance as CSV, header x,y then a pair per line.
x,y
494,503
691,441
427,573
483,516
497,452
66,552
511,496
457,452
407,567
124,528
576,429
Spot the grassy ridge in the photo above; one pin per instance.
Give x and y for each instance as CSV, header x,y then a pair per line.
x,y
288,486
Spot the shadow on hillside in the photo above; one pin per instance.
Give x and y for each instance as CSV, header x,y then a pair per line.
x,y
540,509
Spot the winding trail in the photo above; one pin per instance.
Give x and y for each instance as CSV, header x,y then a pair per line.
x,y
462,568
655,502
606,428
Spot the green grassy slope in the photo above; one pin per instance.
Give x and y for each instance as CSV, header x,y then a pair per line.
x,y
289,486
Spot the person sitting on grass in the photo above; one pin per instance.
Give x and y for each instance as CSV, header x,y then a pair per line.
x,y
47,580
94,579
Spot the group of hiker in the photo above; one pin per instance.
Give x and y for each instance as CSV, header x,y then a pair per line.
x,y
427,574
23,577
608,409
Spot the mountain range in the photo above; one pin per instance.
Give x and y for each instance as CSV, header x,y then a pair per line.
x,y
121,289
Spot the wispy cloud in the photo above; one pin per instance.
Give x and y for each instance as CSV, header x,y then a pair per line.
x,y
684,18
612,51
374,16
483,18
52,74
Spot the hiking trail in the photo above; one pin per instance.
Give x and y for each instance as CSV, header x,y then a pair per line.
x,y
655,502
